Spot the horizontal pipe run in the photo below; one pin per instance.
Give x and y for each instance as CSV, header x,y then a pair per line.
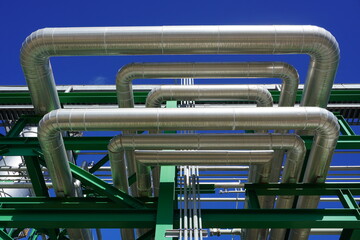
x,y
45,43
132,71
238,231
163,93
201,157
323,122
243,199
285,72
292,143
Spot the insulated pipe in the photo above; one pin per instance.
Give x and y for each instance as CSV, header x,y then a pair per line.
x,y
323,122
259,94
119,144
145,159
284,71
312,40
125,76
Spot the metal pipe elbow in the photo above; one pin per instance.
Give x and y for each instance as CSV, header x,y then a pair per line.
x,y
290,77
47,126
115,144
321,44
128,72
35,47
155,97
263,97
124,79
329,127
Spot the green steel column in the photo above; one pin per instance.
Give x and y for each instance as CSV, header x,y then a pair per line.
x,y
37,179
350,234
165,213
164,218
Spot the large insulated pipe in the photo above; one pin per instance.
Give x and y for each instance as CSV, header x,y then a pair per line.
x,y
47,42
259,94
130,72
146,158
255,93
119,144
323,122
125,76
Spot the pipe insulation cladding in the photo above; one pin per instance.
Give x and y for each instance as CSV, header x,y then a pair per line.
x,y
119,144
312,40
323,122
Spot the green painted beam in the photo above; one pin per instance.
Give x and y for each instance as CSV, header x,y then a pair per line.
x,y
347,199
17,128
280,218
4,235
104,188
148,235
252,199
140,97
345,128
350,234
167,196
108,215
99,164
37,179
24,146
165,213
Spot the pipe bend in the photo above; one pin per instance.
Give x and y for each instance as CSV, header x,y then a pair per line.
x,y
34,47
325,47
47,126
128,72
115,144
328,124
299,145
155,97
263,96
287,71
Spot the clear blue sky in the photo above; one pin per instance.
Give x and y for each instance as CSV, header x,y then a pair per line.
x,y
19,18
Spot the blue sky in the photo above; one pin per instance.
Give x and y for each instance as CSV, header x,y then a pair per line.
x,y
19,18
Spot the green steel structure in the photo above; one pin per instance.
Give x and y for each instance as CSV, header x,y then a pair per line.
x,y
107,207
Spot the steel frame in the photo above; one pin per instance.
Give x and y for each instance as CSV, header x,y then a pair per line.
x,y
107,207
